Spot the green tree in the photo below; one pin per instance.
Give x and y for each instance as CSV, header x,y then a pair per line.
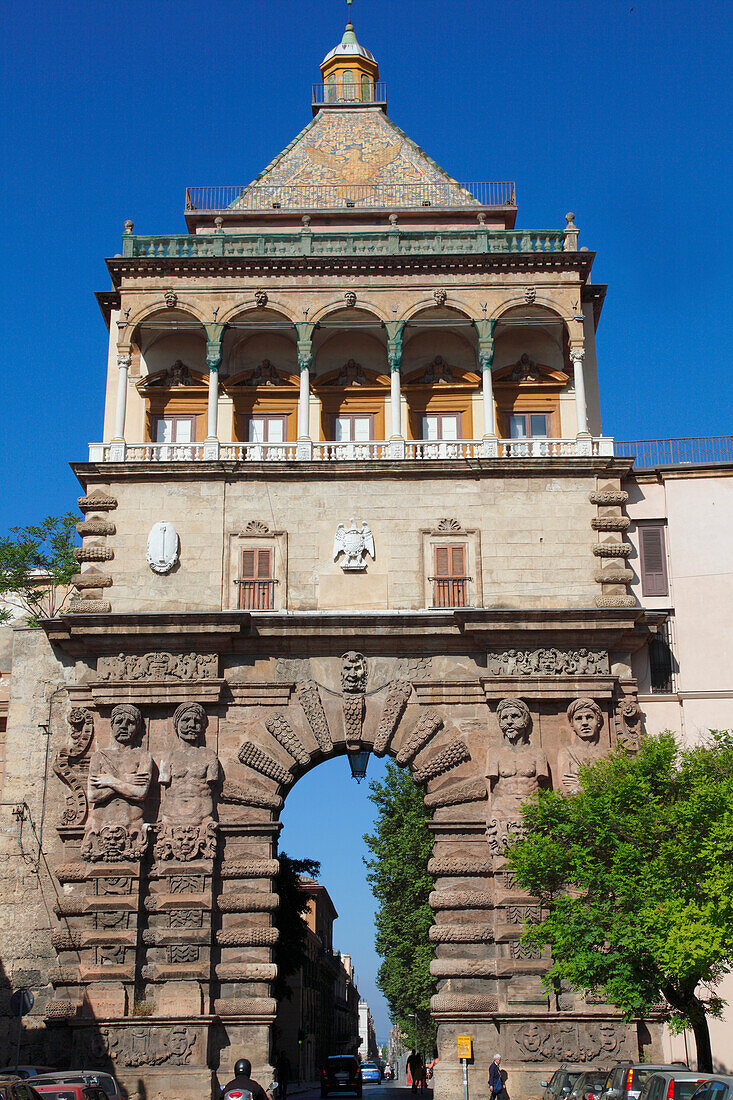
x,y
401,846
36,566
291,948
635,877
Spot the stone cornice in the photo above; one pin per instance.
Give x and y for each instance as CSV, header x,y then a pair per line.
x,y
327,632
337,266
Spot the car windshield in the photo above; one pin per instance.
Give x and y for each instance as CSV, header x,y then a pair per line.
x,y
683,1090
340,1063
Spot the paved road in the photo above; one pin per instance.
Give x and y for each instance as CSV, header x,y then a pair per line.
x,y
388,1090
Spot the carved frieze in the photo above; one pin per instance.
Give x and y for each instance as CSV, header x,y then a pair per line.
x,y
522,914
398,696
453,794
519,950
309,698
427,726
283,732
246,972
570,1041
256,758
548,662
250,868
186,667
81,726
452,756
150,1046
242,902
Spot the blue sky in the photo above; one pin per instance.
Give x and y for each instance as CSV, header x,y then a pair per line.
x,y
619,111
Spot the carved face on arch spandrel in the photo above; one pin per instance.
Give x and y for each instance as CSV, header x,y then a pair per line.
x,y
353,673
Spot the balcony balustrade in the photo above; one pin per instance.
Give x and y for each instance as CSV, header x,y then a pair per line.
x,y
450,591
699,451
386,242
330,451
256,595
227,199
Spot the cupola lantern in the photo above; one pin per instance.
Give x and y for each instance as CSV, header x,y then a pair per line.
x,y
349,71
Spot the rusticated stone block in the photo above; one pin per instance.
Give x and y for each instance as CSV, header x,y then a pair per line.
x,y
60,1010
254,757
309,698
451,756
92,578
610,523
95,527
463,1002
93,553
397,699
462,933
609,497
90,607
458,866
615,601
246,972
245,1006
250,796
283,732
247,903
97,502
464,790
427,726
460,899
463,968
247,937
612,549
250,868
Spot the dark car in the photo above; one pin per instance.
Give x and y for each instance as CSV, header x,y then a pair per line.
x,y
627,1078
589,1085
563,1080
672,1084
13,1087
341,1073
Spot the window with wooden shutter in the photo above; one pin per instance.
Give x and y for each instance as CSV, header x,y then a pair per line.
x,y
653,560
450,583
256,584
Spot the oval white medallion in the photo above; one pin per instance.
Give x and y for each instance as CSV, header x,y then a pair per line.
x,y
162,547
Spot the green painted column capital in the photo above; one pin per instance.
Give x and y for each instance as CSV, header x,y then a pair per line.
x,y
395,331
485,332
304,331
214,334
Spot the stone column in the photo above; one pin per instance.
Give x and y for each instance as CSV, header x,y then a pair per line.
x,y
117,450
577,355
395,330
214,333
485,332
304,447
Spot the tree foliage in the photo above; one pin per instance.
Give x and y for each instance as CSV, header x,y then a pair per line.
x,y
635,873
401,846
36,566
291,948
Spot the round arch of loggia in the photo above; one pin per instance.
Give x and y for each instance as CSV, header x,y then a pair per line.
x,y
320,722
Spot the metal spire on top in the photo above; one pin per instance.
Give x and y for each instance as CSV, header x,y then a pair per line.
x,y
348,11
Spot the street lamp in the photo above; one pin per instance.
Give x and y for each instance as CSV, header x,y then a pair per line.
x,y
358,763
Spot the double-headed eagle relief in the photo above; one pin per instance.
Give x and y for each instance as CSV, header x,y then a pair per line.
x,y
353,166
354,543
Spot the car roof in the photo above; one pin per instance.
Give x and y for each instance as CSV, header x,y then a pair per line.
x,y
70,1074
710,1077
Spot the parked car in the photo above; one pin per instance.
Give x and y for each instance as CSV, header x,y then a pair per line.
x,y
589,1085
87,1078
563,1080
341,1073
71,1092
626,1079
370,1071
670,1084
717,1086
13,1087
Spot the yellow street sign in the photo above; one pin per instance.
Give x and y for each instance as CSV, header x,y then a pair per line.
x,y
464,1046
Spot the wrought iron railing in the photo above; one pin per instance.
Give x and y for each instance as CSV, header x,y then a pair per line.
x,y
256,595
389,196
450,591
676,452
364,92
386,242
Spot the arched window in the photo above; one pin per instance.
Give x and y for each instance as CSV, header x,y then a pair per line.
x,y
366,88
349,88
331,90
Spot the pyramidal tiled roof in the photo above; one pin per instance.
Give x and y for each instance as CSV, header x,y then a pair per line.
x,y
353,151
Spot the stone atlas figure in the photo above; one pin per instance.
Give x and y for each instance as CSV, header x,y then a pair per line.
x,y
514,773
586,721
119,781
188,772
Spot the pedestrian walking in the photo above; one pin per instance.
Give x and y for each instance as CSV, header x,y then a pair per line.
x,y
415,1069
496,1080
